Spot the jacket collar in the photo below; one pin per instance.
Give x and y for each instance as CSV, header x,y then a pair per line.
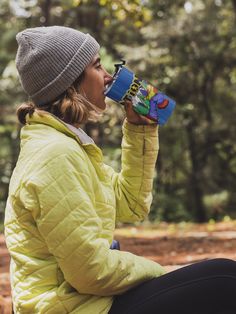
x,y
44,117
84,138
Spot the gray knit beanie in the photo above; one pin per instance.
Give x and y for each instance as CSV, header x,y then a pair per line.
x,y
49,59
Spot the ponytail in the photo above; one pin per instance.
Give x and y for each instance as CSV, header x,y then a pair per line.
x,y
23,110
71,107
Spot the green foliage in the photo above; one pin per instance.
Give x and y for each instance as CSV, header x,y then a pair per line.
x,y
185,48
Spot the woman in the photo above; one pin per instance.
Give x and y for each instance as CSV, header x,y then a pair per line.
x,y
63,201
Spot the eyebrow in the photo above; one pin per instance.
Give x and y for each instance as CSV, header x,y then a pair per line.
x,y
97,60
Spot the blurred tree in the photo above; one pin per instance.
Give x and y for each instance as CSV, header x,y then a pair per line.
x,y
187,49
192,47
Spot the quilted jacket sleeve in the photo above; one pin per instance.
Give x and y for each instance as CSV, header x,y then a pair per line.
x,y
72,230
133,185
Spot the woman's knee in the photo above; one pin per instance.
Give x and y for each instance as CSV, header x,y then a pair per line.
x,y
222,266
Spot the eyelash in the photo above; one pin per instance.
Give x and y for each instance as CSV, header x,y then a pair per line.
x,y
98,66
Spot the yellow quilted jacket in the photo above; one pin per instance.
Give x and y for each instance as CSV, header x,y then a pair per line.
x,y
60,218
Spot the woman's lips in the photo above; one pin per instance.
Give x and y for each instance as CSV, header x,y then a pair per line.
x,y
106,87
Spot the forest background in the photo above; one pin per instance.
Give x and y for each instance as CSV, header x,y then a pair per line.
x,y
185,48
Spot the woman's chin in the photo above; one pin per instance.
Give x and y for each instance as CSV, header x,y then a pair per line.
x,y
102,105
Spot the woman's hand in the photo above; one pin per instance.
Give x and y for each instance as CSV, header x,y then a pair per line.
x,y
133,117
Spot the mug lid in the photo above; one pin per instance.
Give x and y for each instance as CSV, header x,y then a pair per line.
x,y
122,79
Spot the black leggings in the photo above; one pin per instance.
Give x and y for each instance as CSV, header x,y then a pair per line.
x,y
207,287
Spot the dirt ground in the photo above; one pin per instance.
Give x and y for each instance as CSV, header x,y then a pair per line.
x,y
172,245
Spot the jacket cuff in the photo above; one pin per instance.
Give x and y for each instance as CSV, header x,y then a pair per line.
x,y
147,128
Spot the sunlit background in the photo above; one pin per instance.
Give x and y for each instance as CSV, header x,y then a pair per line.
x,y
185,48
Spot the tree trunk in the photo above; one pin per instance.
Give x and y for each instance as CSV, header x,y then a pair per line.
x,y
46,7
89,17
234,8
195,177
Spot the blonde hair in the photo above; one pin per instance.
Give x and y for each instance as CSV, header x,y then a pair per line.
x,y
71,107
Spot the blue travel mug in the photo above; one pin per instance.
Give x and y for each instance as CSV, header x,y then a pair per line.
x,y
146,99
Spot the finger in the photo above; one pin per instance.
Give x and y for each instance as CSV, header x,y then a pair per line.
x,y
127,104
